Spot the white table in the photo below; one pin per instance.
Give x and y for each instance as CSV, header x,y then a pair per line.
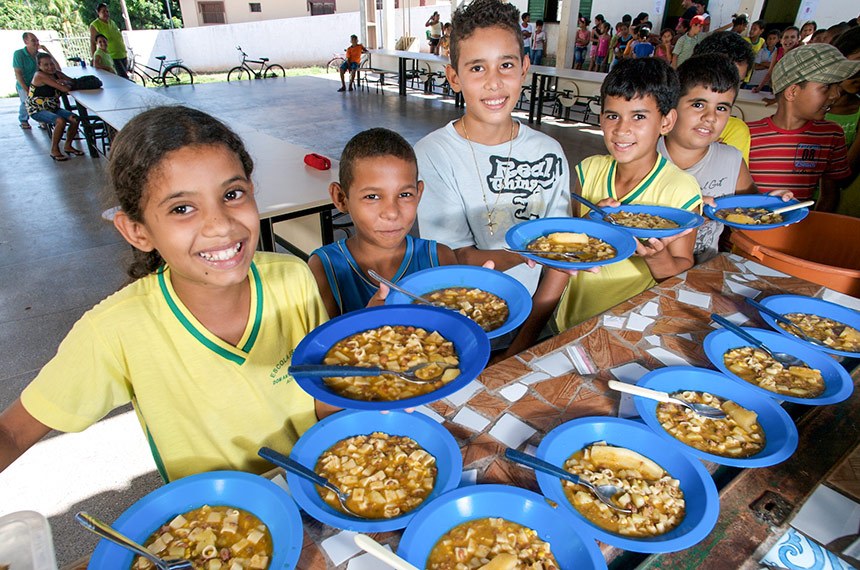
x,y
403,57
286,188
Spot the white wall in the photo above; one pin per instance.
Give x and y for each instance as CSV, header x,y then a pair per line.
x,y
826,12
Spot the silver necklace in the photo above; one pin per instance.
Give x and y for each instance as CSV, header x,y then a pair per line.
x,y
491,212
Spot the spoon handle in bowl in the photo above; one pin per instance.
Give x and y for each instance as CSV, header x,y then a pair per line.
x,y
292,466
335,371
375,549
589,204
539,465
793,207
640,391
737,330
104,530
398,288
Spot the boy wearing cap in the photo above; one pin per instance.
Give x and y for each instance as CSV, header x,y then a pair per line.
x,y
687,43
796,149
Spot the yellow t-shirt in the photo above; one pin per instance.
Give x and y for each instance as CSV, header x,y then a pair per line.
x,y
737,134
589,294
203,403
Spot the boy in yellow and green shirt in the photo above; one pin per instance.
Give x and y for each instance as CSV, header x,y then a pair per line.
x,y
639,98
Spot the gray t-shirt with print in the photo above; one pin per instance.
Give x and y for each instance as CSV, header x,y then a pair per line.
x,y
717,175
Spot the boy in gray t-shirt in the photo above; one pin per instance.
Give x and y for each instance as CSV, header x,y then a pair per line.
x,y
709,85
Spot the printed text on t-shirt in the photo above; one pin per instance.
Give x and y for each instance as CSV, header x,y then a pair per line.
x,y
524,179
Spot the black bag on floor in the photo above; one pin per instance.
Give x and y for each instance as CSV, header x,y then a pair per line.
x,y
86,82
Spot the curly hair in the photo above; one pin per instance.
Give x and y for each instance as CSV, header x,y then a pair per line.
x,y
483,14
632,78
729,44
370,144
141,147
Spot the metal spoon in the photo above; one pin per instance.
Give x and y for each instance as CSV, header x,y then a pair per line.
x,y
781,318
784,209
400,289
107,532
603,492
703,410
607,217
574,254
297,468
783,358
336,371
376,550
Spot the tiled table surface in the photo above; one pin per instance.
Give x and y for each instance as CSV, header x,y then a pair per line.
x,y
547,401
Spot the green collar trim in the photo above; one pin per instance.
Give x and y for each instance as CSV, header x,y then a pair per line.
x,y
204,337
661,163
691,202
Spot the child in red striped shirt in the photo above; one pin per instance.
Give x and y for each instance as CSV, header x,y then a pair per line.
x,y
796,149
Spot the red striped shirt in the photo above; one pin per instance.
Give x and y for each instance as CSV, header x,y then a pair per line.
x,y
797,160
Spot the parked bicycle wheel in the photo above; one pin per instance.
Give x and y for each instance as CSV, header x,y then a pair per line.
x,y
239,73
137,77
177,75
333,65
274,70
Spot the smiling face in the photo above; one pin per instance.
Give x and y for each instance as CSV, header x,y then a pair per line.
x,y
702,116
631,129
102,44
790,39
812,100
490,73
46,65
199,213
807,30
382,199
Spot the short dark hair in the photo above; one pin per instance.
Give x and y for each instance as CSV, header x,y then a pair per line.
x,y
729,44
776,31
526,15
370,144
848,42
26,35
101,36
482,14
712,71
539,23
652,76
100,6
627,18
760,23
40,56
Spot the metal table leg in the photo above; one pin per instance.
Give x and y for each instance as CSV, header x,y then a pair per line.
x,y
532,98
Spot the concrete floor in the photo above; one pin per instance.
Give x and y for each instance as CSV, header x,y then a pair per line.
x,y
58,258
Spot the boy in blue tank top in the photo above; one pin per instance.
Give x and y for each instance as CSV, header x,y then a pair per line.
x,y
380,190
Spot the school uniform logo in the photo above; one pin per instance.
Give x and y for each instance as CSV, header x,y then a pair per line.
x,y
806,158
279,372
524,180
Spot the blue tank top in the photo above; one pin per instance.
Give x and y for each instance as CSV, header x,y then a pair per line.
x,y
351,288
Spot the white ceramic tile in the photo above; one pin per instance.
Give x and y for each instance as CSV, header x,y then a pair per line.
x,y
651,309
340,547
464,394
281,482
637,322
534,377
841,299
762,270
743,290
613,322
580,359
737,318
653,339
629,373
666,357
511,431
827,515
366,561
687,336
695,299
471,419
430,413
469,477
514,392
555,364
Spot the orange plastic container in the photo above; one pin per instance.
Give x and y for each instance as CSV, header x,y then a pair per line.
x,y
823,249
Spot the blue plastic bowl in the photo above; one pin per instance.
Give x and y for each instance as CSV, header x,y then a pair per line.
x,y
512,291
756,201
780,431
519,236
470,342
685,220
700,493
799,304
251,493
426,432
837,383
570,546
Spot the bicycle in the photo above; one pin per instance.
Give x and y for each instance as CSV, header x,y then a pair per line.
x,y
168,73
245,71
333,65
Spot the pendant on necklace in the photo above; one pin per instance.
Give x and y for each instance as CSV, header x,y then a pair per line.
x,y
491,222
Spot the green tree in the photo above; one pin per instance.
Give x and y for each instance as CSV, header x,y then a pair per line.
x,y
144,14
59,15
